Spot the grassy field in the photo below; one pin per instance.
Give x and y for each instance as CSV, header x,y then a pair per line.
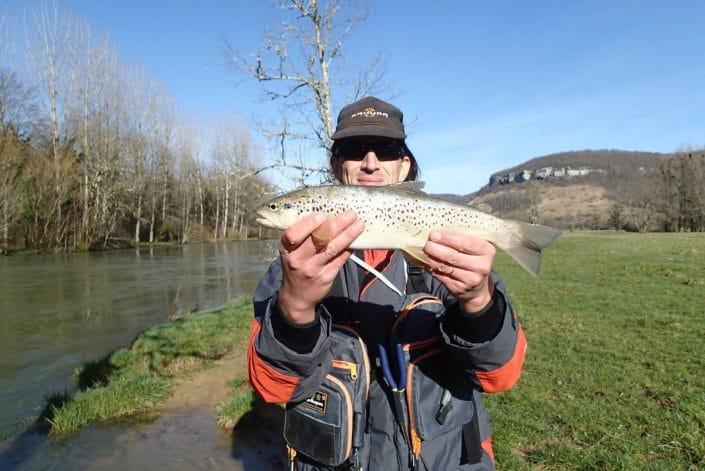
x,y
613,377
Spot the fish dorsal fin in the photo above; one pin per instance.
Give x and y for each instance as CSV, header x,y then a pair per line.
x,y
484,207
410,187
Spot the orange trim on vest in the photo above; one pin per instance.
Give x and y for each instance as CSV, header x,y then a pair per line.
x,y
379,259
487,446
508,374
272,386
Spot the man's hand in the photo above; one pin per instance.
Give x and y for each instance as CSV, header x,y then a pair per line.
x,y
309,268
463,264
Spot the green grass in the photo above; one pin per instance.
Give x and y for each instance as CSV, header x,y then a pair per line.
x,y
240,402
613,377
131,382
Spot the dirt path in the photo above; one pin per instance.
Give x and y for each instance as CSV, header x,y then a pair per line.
x,y
208,388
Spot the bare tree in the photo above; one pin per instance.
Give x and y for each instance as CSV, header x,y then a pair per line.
x,y
296,65
231,149
615,217
49,56
641,205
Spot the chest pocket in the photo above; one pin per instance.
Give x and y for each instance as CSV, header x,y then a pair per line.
x,y
329,426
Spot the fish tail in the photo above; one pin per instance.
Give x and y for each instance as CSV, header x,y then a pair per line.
x,y
534,239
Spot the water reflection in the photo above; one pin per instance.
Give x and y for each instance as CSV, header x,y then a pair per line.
x,y
57,310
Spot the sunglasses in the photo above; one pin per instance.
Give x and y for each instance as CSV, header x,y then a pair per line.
x,y
357,150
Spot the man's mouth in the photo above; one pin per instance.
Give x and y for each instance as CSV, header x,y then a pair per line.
x,y
370,181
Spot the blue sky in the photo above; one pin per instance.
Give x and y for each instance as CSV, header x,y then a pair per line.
x,y
486,84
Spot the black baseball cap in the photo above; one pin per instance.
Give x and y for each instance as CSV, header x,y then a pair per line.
x,y
370,116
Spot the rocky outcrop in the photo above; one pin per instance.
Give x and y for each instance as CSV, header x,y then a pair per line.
x,y
544,173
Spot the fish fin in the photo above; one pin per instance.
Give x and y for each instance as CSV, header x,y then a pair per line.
x,y
409,187
534,239
416,254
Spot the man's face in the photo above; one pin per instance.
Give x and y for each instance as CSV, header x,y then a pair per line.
x,y
371,161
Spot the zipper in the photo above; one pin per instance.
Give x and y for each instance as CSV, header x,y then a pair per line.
x,y
346,365
365,357
349,407
413,433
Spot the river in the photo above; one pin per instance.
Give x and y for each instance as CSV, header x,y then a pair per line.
x,y
57,310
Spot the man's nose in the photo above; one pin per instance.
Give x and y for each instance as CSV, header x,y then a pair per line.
x,y
370,162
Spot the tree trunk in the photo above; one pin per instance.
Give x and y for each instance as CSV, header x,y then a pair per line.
x,y
5,221
152,217
138,215
226,207
200,200
242,221
217,214
164,197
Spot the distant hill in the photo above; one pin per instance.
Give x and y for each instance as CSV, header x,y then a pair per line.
x,y
614,160
570,189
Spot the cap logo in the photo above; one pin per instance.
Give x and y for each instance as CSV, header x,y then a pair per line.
x,y
369,113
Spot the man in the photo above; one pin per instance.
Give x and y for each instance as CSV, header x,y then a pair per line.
x,y
300,297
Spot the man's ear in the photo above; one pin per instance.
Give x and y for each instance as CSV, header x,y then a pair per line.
x,y
405,167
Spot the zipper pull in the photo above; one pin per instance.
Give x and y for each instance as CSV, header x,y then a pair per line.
x,y
345,365
291,452
353,371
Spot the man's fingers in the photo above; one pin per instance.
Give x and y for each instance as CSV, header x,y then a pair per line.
x,y
295,235
464,243
466,276
335,264
450,257
331,228
343,239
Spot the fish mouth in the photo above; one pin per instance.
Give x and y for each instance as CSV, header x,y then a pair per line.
x,y
265,222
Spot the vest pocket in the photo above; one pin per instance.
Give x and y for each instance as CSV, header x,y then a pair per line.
x,y
329,426
439,399
322,426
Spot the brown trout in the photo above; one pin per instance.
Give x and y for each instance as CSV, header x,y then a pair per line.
x,y
401,216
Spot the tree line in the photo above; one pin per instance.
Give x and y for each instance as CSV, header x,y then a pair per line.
x,y
669,199
93,152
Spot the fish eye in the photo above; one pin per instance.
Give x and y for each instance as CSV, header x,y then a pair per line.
x,y
287,205
273,206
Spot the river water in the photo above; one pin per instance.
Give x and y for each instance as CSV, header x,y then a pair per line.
x,y
57,310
